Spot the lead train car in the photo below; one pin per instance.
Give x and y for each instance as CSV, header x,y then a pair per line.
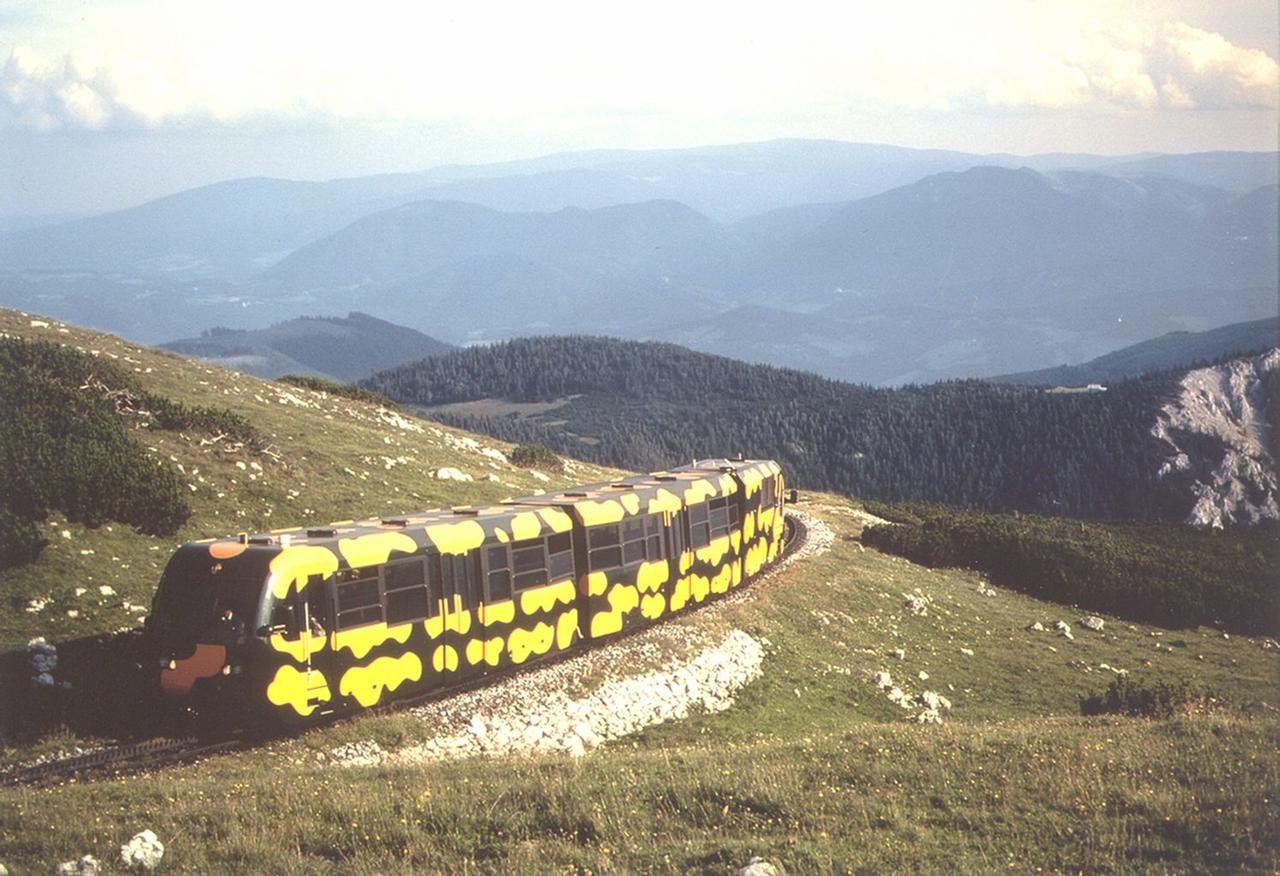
x,y
299,624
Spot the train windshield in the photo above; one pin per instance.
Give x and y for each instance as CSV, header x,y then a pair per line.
x,y
194,597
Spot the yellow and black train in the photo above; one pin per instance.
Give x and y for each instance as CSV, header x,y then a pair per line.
x,y
299,624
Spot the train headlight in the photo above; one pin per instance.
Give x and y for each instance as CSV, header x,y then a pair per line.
x,y
168,664
226,670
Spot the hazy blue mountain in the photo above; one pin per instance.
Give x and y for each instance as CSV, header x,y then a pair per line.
x,y
1238,172
226,230
960,274
343,349
1169,351
235,228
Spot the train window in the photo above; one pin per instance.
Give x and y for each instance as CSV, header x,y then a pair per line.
x,y
406,587
529,562
359,603
718,515
560,559
699,528
768,492
499,573
605,548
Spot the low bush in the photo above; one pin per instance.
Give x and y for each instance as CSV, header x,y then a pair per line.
x,y
535,456
175,416
344,390
63,446
1163,573
1148,699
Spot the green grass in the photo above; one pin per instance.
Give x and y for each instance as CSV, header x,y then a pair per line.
x,y
813,768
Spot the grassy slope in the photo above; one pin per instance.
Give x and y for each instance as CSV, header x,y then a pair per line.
x,y
813,768
331,466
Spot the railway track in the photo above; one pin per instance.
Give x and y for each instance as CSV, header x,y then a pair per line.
x,y
163,752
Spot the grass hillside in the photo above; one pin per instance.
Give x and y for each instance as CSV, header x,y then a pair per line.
x,y
322,457
813,768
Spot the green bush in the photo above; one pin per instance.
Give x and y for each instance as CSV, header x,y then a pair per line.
x,y
173,416
535,456
344,390
1164,573
65,447
1147,699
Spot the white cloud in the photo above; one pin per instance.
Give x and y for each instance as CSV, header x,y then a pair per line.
x,y
156,62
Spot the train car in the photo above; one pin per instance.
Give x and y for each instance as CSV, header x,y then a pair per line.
x,y
295,625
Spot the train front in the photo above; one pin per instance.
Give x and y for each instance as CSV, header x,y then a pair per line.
x,y
206,631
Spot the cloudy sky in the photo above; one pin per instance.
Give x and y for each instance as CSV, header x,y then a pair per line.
x,y
110,103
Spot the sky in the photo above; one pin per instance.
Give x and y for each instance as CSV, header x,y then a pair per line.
x,y
111,103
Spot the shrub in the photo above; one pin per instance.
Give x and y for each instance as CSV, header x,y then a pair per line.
x,y
175,416
344,390
535,456
1147,699
1164,573
65,447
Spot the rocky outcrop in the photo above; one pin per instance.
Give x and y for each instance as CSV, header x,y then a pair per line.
x,y
1220,443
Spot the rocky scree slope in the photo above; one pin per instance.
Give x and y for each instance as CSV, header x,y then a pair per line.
x,y
1220,435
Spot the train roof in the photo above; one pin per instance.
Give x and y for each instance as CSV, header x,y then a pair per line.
x,y
523,517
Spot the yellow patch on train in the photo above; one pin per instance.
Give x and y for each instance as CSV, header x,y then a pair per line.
x,y
298,648
456,538
566,628
623,598
362,640
652,575
539,599
374,549
521,643
299,689
594,513
652,605
503,612
366,683
597,583
556,519
444,658
295,564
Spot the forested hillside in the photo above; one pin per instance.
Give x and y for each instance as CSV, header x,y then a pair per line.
x,y
962,443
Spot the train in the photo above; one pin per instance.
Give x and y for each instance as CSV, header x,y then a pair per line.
x,y
293,626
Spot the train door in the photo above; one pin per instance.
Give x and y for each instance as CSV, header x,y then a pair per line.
x,y
316,625
460,602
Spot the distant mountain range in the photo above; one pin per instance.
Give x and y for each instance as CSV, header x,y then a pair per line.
x,y
863,262
1170,351
343,349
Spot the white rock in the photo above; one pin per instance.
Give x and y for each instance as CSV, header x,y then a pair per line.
x,y
922,675
145,850
968,652
539,476
477,726
86,866
928,716
1036,627
1092,622
882,680
451,474
1064,629
916,602
898,653
757,866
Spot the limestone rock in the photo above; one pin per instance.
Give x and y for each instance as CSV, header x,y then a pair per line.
x,y
145,850
758,866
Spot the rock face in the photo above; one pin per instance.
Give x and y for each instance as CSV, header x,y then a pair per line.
x,y
1224,407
